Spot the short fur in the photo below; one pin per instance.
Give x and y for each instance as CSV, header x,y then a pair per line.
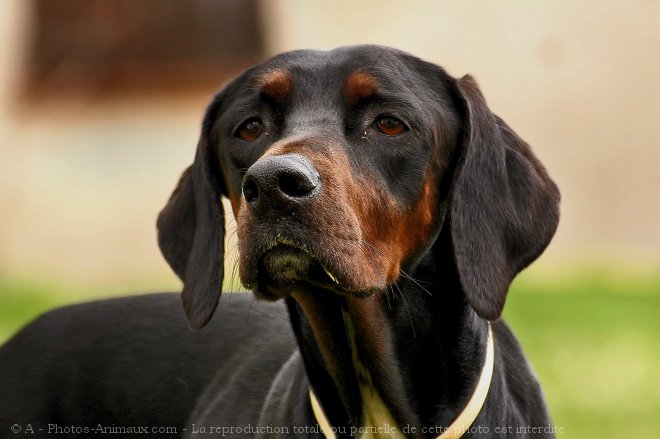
x,y
411,241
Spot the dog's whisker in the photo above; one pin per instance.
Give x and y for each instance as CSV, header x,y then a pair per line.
x,y
346,331
233,233
405,304
413,280
387,296
232,255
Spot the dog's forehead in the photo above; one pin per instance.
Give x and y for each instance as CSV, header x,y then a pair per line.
x,y
356,70
340,60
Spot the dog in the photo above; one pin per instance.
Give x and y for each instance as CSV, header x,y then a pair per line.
x,y
382,212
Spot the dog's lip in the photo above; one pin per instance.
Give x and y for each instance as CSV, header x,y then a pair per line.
x,y
331,279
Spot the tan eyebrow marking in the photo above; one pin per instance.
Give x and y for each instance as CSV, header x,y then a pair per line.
x,y
359,85
277,84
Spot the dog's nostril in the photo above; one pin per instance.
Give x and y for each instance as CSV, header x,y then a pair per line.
x,y
250,191
295,186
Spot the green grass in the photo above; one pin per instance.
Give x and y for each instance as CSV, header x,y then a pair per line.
x,y
592,336
594,340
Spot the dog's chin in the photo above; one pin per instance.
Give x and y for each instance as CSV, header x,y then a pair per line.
x,y
286,269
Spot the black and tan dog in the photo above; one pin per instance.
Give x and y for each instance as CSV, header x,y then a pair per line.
x,y
382,213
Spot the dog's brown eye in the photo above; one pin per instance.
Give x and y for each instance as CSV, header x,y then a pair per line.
x,y
249,130
390,126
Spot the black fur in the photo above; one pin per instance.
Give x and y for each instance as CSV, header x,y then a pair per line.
x,y
132,362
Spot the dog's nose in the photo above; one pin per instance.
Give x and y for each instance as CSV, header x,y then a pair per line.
x,y
280,183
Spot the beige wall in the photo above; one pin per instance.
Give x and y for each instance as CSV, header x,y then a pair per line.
x,y
81,182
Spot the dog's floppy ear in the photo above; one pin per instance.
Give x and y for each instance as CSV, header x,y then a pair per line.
x,y
503,206
191,231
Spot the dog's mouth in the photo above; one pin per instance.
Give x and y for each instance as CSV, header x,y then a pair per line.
x,y
287,267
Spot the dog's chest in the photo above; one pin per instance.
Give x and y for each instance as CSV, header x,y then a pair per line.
x,y
377,419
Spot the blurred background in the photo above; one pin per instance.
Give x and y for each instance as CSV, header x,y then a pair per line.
x,y
101,102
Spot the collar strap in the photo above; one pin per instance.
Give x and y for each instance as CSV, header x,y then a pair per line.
x,y
464,419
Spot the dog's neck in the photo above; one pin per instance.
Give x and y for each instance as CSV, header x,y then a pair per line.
x,y
408,358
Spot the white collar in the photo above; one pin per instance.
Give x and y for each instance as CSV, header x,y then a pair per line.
x,y
464,419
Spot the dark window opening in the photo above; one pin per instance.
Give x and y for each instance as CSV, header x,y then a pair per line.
x,y
119,46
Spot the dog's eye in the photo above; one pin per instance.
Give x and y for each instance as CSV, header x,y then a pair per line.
x,y
390,126
249,130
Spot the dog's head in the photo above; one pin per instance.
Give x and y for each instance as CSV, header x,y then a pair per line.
x,y
342,168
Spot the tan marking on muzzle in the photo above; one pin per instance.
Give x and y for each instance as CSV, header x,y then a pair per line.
x,y
355,221
395,232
